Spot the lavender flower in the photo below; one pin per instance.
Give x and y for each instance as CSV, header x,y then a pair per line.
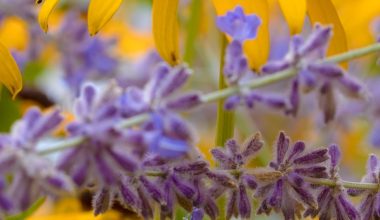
x,y
28,169
332,201
369,208
84,58
233,158
304,56
288,192
238,25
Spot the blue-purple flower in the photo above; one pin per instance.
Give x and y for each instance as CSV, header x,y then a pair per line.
x,y
287,191
239,25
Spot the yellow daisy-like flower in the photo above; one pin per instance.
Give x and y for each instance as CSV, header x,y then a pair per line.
x,y
99,13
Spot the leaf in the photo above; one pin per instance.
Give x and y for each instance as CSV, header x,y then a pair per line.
x,y
294,12
45,12
100,12
32,209
166,30
10,75
324,12
257,49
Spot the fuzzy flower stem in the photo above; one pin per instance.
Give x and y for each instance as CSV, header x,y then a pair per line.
x,y
345,184
224,93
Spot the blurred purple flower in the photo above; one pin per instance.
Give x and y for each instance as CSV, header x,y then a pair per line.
x,y
29,170
239,25
288,192
369,208
304,55
333,201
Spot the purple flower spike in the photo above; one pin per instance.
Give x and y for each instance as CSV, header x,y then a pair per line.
x,y
288,192
239,25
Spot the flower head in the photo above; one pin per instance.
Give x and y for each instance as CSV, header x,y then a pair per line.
x,y
288,192
239,25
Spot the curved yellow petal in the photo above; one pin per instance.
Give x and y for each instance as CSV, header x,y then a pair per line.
x,y
100,12
324,12
166,30
257,49
10,75
294,12
45,11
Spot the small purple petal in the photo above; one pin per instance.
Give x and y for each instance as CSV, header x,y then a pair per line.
x,y
282,147
314,157
276,66
184,102
232,102
244,204
152,189
335,155
326,70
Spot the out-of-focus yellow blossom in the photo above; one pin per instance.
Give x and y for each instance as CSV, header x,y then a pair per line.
x,y
10,75
70,208
354,145
99,13
19,37
165,29
131,43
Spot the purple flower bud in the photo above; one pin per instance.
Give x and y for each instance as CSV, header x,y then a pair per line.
x,y
297,148
182,187
222,158
314,171
123,160
152,189
196,214
222,179
373,164
151,88
239,25
232,102
348,208
167,208
308,80
326,70
232,146
252,146
80,173
105,170
46,124
316,156
232,205
184,102
275,199
211,209
351,88
235,65
244,204
274,102
194,167
276,66
327,102
146,208
128,196
249,181
173,81
131,102
294,98
282,147
335,155
317,41
102,201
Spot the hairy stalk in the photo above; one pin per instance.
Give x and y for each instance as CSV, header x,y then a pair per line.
x,y
224,93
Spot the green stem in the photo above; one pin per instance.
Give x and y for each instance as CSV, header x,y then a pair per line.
x,y
345,184
224,93
63,145
192,30
225,119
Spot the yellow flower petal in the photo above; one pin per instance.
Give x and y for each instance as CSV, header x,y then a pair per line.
x,y
45,11
100,12
10,75
257,49
165,29
294,12
324,12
